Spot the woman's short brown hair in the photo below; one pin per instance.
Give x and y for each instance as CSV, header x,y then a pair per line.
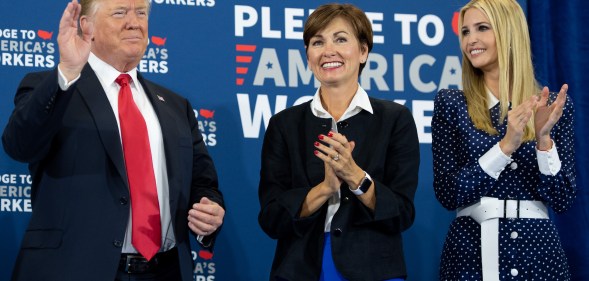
x,y
324,14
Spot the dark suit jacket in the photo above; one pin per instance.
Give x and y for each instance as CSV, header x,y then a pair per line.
x,y
366,245
80,195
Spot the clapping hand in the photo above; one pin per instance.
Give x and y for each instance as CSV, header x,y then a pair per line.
x,y
336,152
547,116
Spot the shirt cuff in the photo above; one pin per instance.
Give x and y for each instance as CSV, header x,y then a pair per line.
x,y
62,81
494,161
548,161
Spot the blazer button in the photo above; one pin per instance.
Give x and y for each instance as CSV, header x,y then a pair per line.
x,y
343,124
118,243
123,200
337,232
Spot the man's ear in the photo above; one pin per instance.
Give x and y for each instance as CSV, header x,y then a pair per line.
x,y
83,22
86,27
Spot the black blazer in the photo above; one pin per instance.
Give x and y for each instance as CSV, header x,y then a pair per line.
x,y
366,245
80,195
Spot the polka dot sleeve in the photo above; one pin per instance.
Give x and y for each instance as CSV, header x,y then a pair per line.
x,y
459,180
559,191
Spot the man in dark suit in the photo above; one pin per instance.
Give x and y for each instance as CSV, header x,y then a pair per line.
x,y
89,220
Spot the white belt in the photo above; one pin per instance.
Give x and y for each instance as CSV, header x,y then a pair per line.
x,y
487,213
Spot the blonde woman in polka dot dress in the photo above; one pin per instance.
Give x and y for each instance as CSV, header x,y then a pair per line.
x,y
503,154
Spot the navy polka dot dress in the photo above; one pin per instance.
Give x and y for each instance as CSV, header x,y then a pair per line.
x,y
529,249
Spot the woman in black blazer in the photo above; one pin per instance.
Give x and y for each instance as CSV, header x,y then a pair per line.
x,y
339,172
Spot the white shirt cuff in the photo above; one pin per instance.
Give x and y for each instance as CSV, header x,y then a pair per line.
x,y
548,161
494,161
62,81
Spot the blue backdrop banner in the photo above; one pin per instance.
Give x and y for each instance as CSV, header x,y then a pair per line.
x,y
239,63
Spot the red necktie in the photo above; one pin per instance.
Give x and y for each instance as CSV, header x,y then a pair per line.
x,y
147,237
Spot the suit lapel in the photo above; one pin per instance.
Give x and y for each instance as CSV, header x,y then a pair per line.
x,y
95,98
310,130
169,135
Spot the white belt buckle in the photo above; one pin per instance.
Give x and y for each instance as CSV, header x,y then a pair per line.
x,y
512,209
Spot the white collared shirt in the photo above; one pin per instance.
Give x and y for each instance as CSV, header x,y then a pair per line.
x,y
494,161
107,75
359,102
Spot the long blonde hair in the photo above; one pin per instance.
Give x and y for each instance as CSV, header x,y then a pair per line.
x,y
516,75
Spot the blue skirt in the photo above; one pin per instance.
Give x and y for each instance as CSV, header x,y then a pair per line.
x,y
328,270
